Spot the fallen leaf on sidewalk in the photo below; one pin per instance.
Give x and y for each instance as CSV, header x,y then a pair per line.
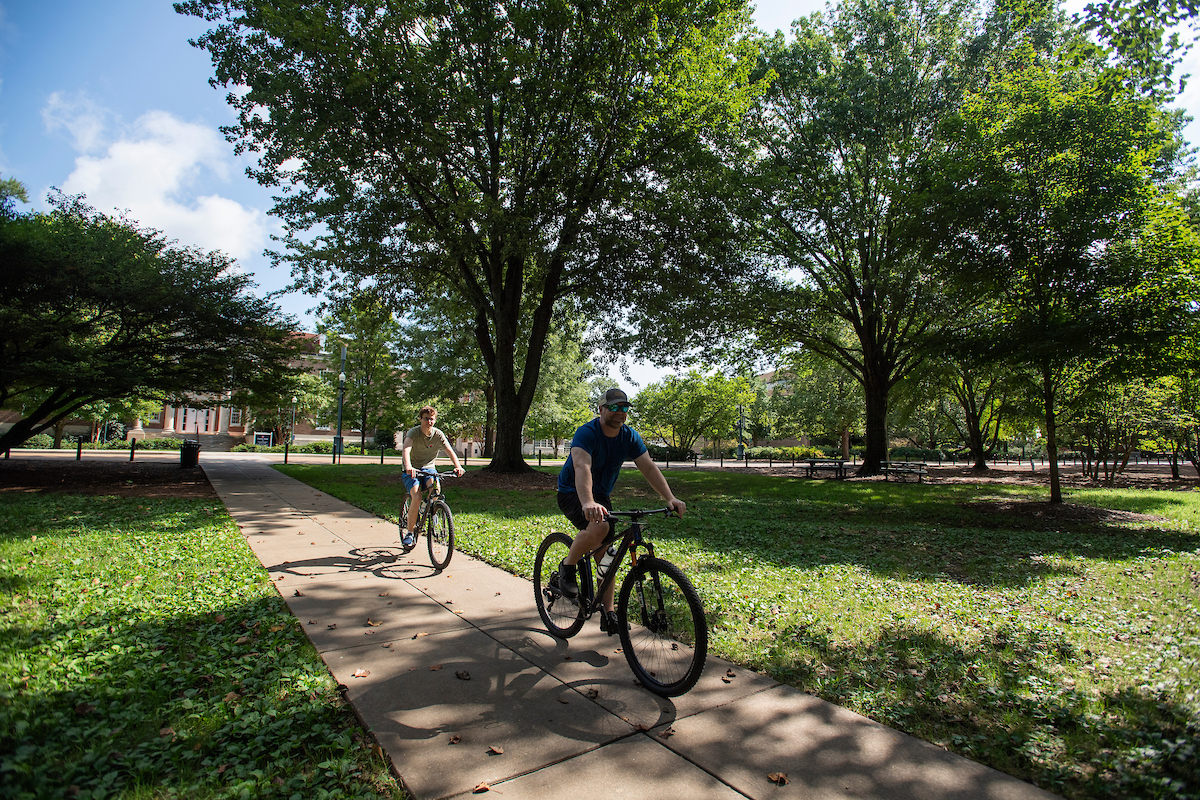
x,y
481,788
463,675
298,593
778,778
331,627
667,734
730,673
435,667
384,594
564,701
389,644
312,622
455,739
592,693
361,673
496,750
419,634
372,624
725,680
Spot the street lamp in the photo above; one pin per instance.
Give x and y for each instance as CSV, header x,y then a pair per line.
x,y
337,440
287,443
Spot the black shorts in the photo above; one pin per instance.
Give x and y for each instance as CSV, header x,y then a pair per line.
x,y
568,503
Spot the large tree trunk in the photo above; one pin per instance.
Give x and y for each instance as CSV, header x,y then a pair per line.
x,y
875,394
1051,435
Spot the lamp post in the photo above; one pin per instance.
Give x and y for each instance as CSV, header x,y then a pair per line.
x,y
287,443
337,440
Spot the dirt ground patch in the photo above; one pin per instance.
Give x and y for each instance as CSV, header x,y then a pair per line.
x,y
120,478
525,482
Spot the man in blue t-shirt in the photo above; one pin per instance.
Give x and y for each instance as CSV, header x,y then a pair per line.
x,y
597,452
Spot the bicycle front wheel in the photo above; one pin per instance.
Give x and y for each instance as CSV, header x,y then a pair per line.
x,y
562,616
441,534
404,521
663,631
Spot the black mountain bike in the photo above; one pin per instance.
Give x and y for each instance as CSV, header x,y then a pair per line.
x,y
661,620
434,518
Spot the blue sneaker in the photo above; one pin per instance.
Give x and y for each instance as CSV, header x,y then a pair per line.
x,y
407,539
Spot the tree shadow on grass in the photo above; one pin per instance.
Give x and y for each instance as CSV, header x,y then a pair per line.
x,y
210,704
1002,703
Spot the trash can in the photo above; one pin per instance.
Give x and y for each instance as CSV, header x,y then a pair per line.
x,y
189,453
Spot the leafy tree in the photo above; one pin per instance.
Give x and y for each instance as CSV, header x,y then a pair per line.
x,y
512,155
11,191
566,392
94,308
271,409
1056,213
848,132
679,410
364,325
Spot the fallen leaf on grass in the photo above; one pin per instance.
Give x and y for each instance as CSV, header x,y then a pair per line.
x,y
219,618
232,697
496,750
165,732
221,769
778,778
275,628
84,708
361,673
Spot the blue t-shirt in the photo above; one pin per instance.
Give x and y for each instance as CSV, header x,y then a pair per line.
x,y
608,454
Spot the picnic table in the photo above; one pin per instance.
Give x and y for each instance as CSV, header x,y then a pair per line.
x,y
903,469
837,465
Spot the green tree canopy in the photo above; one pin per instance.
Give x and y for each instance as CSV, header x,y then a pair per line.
x,y
679,410
94,308
513,154
848,133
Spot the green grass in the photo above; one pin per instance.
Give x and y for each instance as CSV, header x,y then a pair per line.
x,y
144,653
1064,653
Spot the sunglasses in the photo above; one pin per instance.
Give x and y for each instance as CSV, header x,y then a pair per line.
x,y
618,407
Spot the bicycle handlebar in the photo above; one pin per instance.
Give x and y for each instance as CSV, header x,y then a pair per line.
x,y
637,514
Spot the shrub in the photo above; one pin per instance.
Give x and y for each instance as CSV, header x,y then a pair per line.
x,y
916,454
662,452
41,440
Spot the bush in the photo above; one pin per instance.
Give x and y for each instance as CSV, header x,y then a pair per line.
x,y
39,441
916,454
662,452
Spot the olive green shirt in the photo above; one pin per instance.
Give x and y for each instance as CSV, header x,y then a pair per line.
x,y
425,450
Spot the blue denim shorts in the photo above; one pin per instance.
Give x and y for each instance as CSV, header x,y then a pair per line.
x,y
425,475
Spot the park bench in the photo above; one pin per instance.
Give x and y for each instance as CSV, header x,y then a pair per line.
x,y
904,469
836,465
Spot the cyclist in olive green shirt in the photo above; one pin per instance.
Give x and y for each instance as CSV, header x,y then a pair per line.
x,y
422,445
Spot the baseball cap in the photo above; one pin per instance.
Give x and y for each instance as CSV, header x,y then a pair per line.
x,y
613,396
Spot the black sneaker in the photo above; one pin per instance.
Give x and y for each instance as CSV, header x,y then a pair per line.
x,y
568,583
610,623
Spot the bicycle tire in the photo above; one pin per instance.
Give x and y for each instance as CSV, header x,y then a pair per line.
x,y
562,616
663,631
440,535
403,522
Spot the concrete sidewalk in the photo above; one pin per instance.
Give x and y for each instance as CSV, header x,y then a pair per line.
x,y
461,686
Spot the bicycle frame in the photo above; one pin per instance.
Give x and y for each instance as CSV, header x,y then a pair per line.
x,y
631,538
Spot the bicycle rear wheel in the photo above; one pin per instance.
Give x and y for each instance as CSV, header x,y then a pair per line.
x,y
664,634
562,615
404,522
441,534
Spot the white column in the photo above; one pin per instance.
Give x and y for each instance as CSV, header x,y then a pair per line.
x,y
168,419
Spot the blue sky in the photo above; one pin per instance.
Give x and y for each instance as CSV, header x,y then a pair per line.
x,y
109,99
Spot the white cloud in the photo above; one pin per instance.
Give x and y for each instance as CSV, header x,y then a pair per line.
x,y
154,170
79,116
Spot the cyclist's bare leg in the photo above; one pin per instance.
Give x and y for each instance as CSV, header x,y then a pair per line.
x,y
586,541
414,508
